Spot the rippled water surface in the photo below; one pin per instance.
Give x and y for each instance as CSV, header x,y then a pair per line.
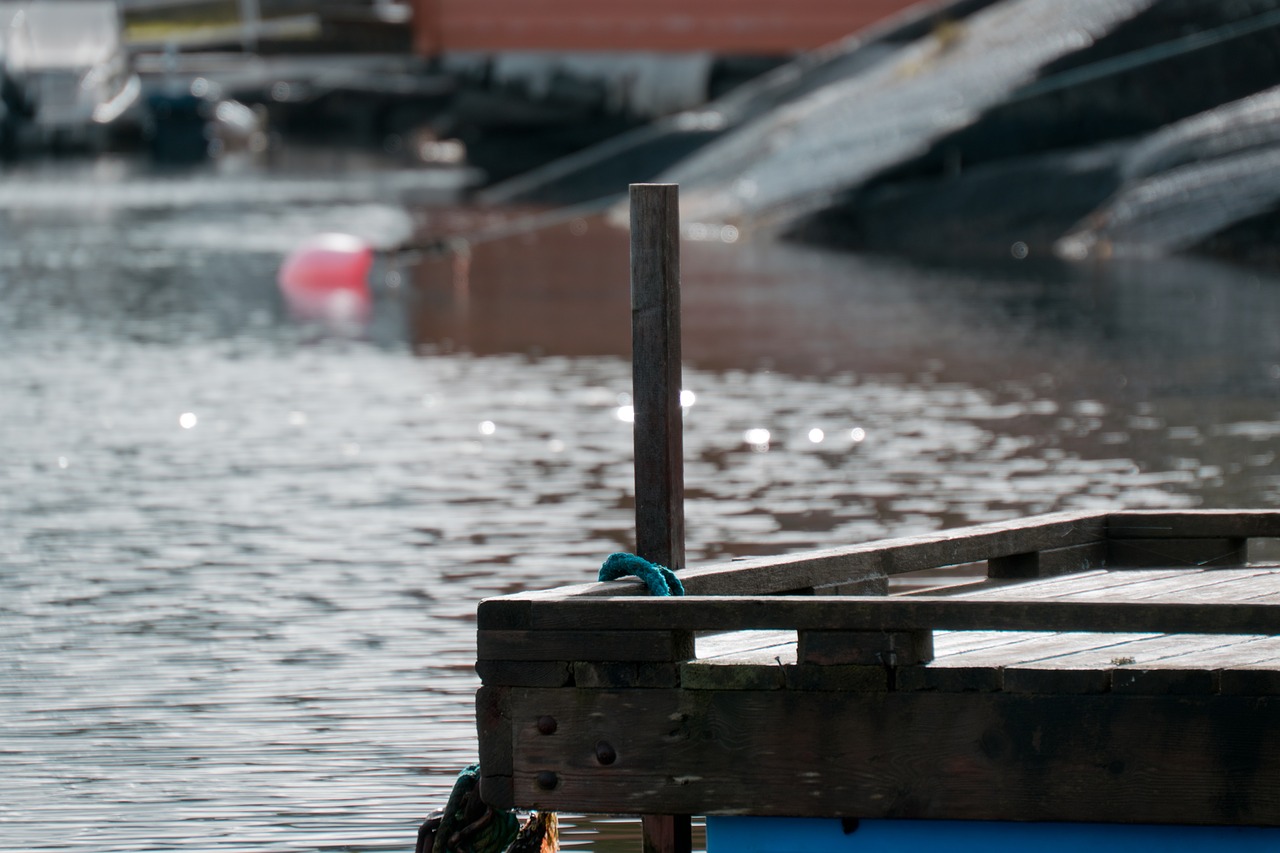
x,y
240,553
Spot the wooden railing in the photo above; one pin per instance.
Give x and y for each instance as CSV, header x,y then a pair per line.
x,y
615,670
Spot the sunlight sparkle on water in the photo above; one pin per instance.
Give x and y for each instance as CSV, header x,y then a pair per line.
x,y
816,435
687,399
187,420
758,438
857,434
626,414
488,427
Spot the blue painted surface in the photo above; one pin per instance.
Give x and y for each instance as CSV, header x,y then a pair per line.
x,y
803,835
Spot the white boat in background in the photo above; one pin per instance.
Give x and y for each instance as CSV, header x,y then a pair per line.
x,y
68,63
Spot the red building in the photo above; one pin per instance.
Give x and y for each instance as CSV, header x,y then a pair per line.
x,y
725,27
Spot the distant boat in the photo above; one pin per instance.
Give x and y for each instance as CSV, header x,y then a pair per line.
x,y
69,67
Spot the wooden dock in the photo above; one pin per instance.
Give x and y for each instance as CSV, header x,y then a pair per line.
x,y
1093,678
1117,668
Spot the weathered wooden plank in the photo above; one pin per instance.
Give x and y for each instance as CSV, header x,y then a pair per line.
x,y
623,586
1058,587
588,645
507,613
1254,670
1054,681
972,756
655,365
755,671
659,465
1163,682
737,642
845,678
1148,651
943,581
1198,553
598,674
493,724
1049,562
947,643
873,584
776,668
1213,585
743,666
604,616
525,673
1249,682
1191,524
1052,534
1040,649
658,429
956,679
497,791
762,576
865,648
1257,588
1237,651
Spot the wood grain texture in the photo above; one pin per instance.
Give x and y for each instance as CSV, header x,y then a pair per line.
x,y
1049,562
1209,552
493,724
597,674
1223,523
989,756
666,833
655,366
1065,585
865,648
584,645
659,424
811,569
959,679
525,673
602,617
1051,544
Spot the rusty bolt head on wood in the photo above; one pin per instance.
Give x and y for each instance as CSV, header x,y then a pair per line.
x,y
546,780
547,725
605,753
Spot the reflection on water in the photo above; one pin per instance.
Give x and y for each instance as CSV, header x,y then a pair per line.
x,y
242,554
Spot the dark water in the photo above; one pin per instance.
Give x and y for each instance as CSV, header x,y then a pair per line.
x,y
240,553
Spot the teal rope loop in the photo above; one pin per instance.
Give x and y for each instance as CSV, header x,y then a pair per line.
x,y
659,579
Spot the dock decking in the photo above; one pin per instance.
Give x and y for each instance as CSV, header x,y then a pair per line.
x,y
1104,668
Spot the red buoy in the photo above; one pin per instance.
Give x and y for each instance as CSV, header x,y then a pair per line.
x,y
327,278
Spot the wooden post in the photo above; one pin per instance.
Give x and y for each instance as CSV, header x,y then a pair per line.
x,y
655,397
655,365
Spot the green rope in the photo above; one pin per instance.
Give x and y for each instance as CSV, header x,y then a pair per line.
x,y
468,825
659,579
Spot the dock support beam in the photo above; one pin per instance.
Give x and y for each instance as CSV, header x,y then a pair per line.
x,y
659,440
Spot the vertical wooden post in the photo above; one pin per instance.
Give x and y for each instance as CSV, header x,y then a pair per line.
x,y
655,397
655,365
